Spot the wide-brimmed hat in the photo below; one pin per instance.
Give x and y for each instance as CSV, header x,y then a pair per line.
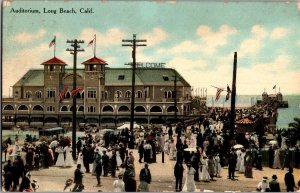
x,y
265,178
274,177
69,182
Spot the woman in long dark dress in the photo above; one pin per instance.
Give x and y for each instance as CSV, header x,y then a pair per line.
x,y
248,165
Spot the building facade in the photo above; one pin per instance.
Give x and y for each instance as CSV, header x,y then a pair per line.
x,y
43,97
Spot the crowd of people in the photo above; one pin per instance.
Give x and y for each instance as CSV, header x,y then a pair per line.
x,y
200,152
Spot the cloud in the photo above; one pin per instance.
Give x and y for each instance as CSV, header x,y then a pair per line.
x,y
267,74
212,40
111,37
253,45
154,37
15,67
279,32
25,37
186,46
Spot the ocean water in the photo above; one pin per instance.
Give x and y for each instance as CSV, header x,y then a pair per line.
x,y
285,115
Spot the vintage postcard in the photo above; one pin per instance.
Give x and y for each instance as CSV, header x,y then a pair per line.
x,y
160,96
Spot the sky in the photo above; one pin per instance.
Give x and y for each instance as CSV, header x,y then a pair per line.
x,y
198,39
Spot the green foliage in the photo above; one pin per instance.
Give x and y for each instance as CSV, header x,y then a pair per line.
x,y
294,132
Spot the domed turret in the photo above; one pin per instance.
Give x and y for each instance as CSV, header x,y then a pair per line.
x,y
264,96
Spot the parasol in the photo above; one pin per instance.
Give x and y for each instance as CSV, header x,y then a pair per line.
x,y
190,149
53,144
108,130
273,142
238,146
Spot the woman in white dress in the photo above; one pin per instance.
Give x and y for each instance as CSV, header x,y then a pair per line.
x,y
119,185
69,159
276,163
204,174
172,150
60,162
217,165
166,147
242,165
80,161
189,185
238,163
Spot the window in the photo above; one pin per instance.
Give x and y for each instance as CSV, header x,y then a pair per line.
x,y
91,109
92,93
50,109
128,94
139,94
51,68
121,77
38,94
92,67
166,78
28,94
50,93
105,95
118,94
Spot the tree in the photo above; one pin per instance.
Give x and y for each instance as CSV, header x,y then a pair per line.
x,y
294,131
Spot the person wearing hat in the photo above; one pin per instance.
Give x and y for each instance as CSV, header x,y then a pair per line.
x,y
178,173
129,179
119,185
289,180
263,186
78,177
274,184
105,161
145,174
68,187
25,184
189,185
98,171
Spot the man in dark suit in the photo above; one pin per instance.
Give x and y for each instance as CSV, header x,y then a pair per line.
x,y
145,174
271,157
141,151
78,176
232,164
274,184
289,180
178,173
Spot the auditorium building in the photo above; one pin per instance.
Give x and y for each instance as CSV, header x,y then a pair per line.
x,y
43,97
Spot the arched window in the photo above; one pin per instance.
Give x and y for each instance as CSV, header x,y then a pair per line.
x,y
8,108
68,95
172,109
64,108
38,94
105,95
91,109
123,109
118,94
28,94
107,109
82,94
38,108
80,109
166,94
23,108
156,109
139,94
170,94
78,95
128,94
140,109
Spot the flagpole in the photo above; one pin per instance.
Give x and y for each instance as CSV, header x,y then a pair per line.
x,y
54,44
95,47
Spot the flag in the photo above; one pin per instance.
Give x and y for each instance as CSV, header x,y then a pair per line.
x,y
218,94
91,42
274,86
62,92
75,91
52,43
228,93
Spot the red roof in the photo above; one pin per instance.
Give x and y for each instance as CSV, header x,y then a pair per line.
x,y
95,60
54,60
245,121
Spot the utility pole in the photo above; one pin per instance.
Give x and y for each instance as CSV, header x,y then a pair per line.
x,y
233,93
75,44
133,44
175,98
